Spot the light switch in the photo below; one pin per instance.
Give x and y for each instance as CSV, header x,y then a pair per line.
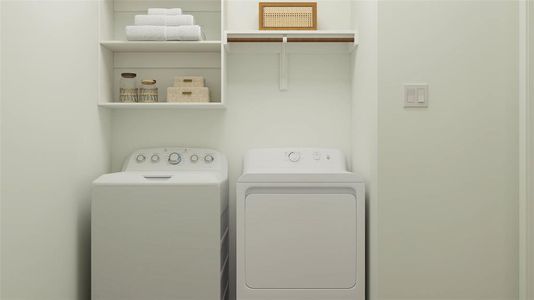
x,y
416,95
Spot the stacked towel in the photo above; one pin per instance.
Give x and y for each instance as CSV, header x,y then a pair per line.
x,y
145,33
164,33
164,24
163,20
165,11
184,33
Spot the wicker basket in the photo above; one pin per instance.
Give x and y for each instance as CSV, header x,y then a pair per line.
x,y
148,95
288,15
128,95
189,81
188,94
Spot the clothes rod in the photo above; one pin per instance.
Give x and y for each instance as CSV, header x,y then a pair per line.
x,y
290,40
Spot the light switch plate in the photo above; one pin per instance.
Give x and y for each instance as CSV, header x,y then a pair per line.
x,y
416,95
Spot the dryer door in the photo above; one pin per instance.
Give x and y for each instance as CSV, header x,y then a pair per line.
x,y
300,241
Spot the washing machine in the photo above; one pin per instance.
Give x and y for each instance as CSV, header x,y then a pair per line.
x,y
160,227
300,227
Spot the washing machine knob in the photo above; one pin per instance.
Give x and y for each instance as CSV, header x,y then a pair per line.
x,y
175,158
194,158
208,158
140,158
294,156
154,158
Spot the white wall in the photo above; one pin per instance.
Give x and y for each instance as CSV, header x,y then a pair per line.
x,y
447,175
530,253
54,143
1,101
364,122
314,112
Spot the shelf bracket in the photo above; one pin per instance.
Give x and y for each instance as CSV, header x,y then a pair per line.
x,y
283,65
224,41
354,43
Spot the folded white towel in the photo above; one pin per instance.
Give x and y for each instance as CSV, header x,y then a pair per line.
x,y
184,33
165,11
145,33
162,33
161,20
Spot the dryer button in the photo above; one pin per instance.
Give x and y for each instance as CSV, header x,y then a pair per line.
x,y
294,156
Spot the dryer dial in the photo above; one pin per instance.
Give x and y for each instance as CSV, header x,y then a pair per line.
x,y
208,158
175,158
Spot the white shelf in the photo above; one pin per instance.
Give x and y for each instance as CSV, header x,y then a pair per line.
x,y
168,46
294,41
329,36
163,105
309,33
159,60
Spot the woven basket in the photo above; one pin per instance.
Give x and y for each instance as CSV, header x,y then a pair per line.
x,y
189,81
128,95
148,95
288,16
188,94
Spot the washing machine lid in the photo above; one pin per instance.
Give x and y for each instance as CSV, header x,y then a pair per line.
x,y
160,178
296,165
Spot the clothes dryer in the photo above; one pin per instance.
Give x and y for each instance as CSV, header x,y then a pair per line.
x,y
300,222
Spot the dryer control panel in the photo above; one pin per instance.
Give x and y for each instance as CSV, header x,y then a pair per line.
x,y
294,160
174,159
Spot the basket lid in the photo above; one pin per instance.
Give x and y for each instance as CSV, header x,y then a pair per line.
x,y
128,75
148,81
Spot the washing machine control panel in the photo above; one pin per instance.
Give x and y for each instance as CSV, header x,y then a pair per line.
x,y
173,158
298,160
